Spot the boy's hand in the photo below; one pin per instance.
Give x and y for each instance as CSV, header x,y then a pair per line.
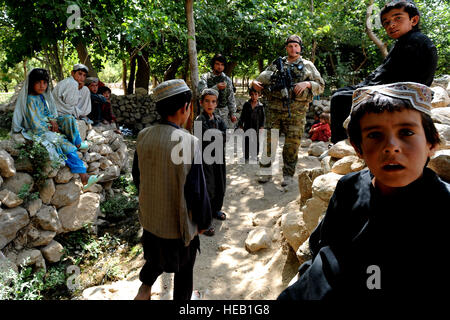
x,y
233,119
258,86
53,126
221,85
301,86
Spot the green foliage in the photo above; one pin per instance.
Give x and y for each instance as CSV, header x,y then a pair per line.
x,y
126,184
84,244
26,195
29,285
39,158
118,207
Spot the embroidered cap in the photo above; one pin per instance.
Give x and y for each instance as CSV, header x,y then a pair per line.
x,y
417,94
90,80
169,88
209,91
80,66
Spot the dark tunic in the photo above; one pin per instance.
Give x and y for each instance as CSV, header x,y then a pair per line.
x,y
412,59
97,101
403,235
251,118
215,173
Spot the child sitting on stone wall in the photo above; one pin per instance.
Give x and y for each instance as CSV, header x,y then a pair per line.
x,y
383,232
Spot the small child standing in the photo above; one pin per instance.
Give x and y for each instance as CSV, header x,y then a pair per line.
x,y
377,238
215,173
321,131
252,117
107,113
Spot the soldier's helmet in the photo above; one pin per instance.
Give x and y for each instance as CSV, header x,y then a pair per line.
x,y
294,38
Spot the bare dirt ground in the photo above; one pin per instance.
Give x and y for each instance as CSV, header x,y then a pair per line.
x,y
225,270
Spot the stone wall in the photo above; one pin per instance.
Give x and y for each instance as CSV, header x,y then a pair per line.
x,y
27,230
134,111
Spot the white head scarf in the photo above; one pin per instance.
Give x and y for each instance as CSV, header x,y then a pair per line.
x,y
18,120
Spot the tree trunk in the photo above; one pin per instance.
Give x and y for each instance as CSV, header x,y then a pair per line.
x,y
124,76
56,63
314,42
230,67
192,50
172,69
25,71
143,72
369,30
83,56
130,88
260,65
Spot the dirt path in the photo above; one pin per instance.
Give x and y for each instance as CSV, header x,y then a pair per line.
x,y
225,270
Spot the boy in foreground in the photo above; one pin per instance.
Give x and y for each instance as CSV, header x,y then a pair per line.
x,y
413,58
383,231
173,201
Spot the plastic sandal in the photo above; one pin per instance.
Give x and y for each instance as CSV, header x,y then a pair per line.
x,y
83,146
92,180
210,232
219,215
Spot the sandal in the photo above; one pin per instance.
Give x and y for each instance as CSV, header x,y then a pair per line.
x,y
83,146
92,180
210,232
219,215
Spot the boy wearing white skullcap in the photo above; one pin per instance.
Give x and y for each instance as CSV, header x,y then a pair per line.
x,y
385,226
71,96
173,201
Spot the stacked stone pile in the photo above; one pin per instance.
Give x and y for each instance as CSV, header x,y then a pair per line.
x,y
135,111
27,230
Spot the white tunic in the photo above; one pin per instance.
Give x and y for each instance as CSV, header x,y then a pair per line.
x,y
71,100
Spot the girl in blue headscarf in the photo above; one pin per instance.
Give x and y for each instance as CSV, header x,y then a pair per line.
x,y
36,117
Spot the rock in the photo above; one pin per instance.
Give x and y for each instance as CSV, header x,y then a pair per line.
x,y
10,199
8,268
10,147
348,164
105,163
324,185
65,194
31,257
33,207
103,149
327,163
64,175
303,253
312,211
141,91
440,97
7,168
109,135
111,173
43,238
317,148
16,182
440,163
82,129
294,229
96,138
24,165
93,166
47,218
441,115
341,149
305,180
47,191
444,133
304,143
223,247
11,221
53,251
259,238
92,156
85,210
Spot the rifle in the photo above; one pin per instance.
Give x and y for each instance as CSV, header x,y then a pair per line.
x,y
282,81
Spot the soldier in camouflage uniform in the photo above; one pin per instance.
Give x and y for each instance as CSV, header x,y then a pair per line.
x,y
218,80
307,83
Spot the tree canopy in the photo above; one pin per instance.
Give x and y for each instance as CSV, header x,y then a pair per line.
x,y
148,39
